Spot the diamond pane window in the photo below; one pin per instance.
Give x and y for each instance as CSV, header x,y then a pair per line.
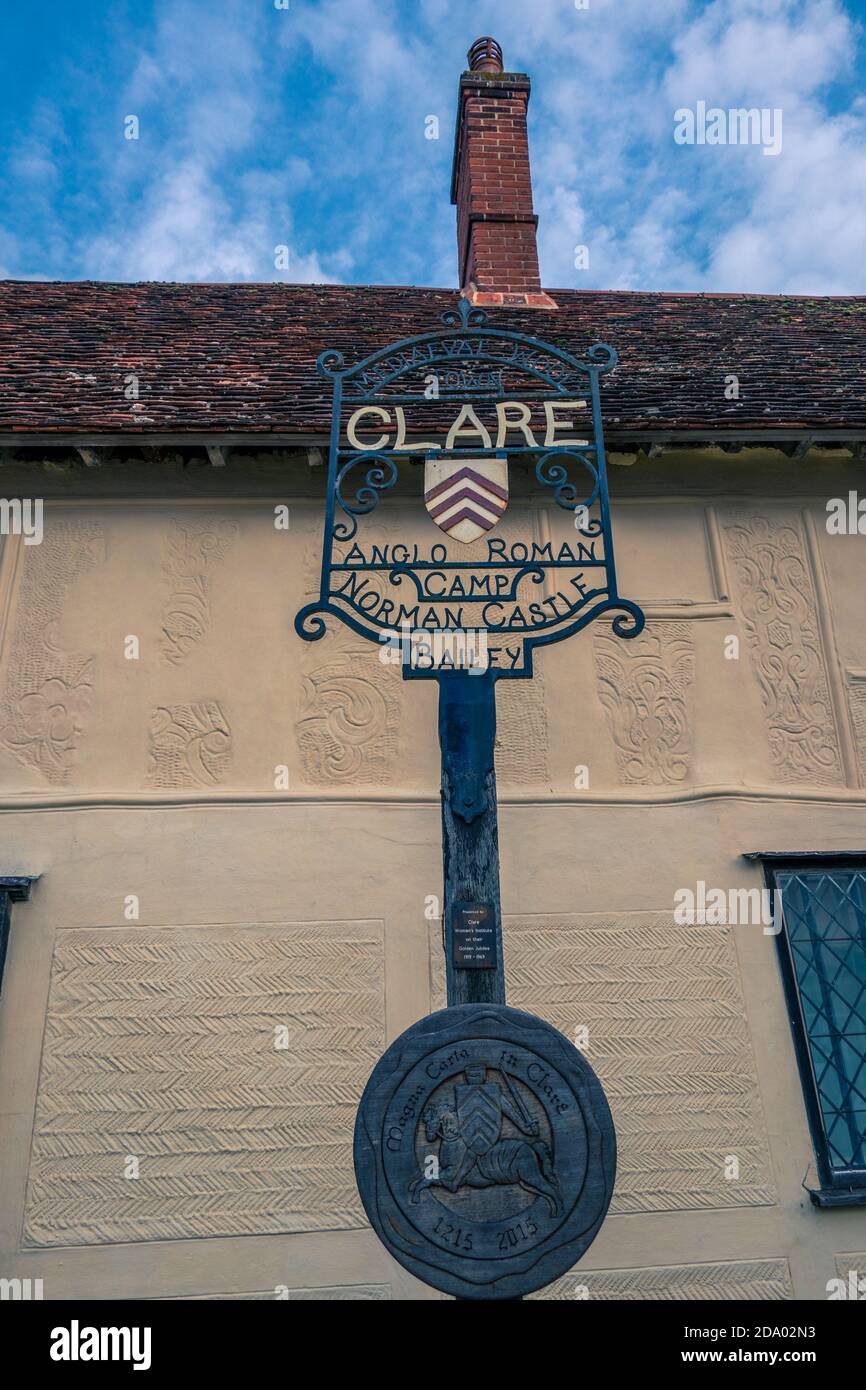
x,y
822,950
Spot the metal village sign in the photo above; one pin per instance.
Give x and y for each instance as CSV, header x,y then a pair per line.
x,y
485,1151
492,382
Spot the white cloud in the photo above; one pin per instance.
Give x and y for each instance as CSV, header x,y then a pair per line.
x,y
185,231
368,44
660,216
803,225
759,51
198,195
230,163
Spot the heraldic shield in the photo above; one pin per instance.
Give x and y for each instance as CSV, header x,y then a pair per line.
x,y
479,1115
466,496
524,1145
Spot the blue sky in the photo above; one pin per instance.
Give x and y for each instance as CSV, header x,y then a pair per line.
x,y
304,127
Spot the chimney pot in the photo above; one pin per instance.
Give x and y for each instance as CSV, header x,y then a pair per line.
x,y
485,55
491,184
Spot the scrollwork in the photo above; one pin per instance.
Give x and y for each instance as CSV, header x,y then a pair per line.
x,y
631,622
464,316
309,623
604,355
376,480
550,471
330,362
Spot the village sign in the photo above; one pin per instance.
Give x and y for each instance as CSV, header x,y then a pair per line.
x,y
485,1151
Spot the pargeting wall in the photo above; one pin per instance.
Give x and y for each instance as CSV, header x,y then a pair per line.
x,y
269,809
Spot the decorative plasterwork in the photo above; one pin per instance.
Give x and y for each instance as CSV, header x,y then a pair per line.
x,y
776,597
644,686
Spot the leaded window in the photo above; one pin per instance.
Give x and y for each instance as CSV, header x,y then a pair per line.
x,y
822,952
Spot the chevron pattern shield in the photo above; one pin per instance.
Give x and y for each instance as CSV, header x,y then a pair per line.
x,y
466,497
479,1115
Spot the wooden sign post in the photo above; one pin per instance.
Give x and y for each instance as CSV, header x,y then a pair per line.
x,y
471,911
485,1151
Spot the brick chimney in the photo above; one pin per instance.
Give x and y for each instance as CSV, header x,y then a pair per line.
x,y
491,185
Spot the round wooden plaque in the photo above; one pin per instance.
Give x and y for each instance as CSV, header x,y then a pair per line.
x,y
485,1152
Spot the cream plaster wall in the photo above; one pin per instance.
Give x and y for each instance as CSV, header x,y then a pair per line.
x,y
306,906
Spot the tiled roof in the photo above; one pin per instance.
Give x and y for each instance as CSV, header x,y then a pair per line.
x,y
219,357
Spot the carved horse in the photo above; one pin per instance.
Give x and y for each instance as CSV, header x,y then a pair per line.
x,y
526,1162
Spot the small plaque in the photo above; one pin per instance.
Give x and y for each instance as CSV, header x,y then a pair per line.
x,y
485,1152
473,936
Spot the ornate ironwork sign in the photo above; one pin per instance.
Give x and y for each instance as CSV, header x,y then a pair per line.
x,y
484,1146
476,404
485,1152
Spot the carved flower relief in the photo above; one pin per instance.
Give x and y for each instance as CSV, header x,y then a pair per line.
x,y
642,685
48,689
190,745
348,723
185,619
193,550
771,568
779,613
47,724
190,553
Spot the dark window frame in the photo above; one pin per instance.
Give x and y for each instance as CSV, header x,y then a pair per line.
x,y
13,889
839,1186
